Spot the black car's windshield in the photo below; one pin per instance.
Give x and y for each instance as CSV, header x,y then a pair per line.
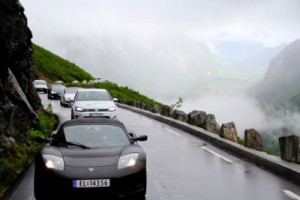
x,y
93,96
94,135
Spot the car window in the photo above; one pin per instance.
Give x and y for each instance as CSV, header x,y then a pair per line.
x,y
40,83
93,96
96,136
71,90
58,88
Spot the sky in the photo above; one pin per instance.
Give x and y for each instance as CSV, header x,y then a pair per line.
x,y
265,22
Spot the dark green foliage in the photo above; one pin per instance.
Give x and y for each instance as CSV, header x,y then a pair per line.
x,y
55,68
15,158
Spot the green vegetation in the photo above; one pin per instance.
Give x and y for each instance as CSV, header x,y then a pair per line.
x,y
51,67
178,104
16,157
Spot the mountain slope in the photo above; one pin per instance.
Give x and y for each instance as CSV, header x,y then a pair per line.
x,y
52,67
282,82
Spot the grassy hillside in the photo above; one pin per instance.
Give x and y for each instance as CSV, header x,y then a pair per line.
x,y
52,67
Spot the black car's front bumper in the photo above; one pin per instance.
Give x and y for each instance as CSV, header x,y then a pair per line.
x,y
123,183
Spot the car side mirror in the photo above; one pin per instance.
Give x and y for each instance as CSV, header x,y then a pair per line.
x,y
132,134
53,134
140,138
43,140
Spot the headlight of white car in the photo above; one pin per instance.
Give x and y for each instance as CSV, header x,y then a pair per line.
x,y
128,160
79,109
54,162
112,109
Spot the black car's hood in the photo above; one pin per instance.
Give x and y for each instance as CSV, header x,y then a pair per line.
x,y
100,157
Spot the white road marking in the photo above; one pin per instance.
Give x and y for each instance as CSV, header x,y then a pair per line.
x,y
171,131
212,152
291,194
147,119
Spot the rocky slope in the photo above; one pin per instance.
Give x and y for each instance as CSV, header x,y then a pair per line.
x,y
19,101
281,84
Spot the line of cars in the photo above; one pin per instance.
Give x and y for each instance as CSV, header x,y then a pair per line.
x,y
93,155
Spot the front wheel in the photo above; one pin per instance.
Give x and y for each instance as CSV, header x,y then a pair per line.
x,y
72,115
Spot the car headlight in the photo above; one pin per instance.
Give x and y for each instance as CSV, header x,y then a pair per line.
x,y
53,92
79,109
112,109
128,160
54,162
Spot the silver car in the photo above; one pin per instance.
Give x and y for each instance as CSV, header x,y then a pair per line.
x,y
40,85
90,103
68,96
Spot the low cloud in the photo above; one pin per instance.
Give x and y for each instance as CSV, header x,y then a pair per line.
x,y
245,112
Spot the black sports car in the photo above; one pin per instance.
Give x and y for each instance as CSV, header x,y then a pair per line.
x,y
55,91
91,158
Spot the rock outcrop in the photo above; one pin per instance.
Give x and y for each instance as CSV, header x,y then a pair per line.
x,y
167,111
253,139
180,115
211,124
197,118
290,148
229,132
19,101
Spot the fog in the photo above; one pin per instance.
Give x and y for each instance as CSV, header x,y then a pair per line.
x,y
170,49
246,113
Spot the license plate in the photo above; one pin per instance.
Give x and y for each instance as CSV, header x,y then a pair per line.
x,y
91,183
96,114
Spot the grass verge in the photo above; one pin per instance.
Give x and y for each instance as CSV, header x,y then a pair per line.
x,y
16,157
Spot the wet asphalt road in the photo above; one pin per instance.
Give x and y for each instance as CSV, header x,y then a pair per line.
x,y
183,167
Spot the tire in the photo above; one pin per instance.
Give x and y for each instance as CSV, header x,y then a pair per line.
x,y
137,197
72,115
41,189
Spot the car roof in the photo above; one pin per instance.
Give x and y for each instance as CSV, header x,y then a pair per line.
x,y
92,89
93,121
39,80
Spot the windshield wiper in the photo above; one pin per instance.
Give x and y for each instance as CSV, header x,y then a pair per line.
x,y
75,144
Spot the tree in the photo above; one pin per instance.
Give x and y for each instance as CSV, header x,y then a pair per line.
x,y
178,104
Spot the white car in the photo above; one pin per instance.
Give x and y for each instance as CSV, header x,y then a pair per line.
x,y
68,96
40,85
93,103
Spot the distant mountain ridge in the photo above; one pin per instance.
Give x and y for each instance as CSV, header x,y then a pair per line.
x,y
281,84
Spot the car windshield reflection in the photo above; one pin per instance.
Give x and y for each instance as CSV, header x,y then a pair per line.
x,y
95,136
93,96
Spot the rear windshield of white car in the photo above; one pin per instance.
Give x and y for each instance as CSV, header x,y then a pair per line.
x,y
93,96
71,90
96,136
40,83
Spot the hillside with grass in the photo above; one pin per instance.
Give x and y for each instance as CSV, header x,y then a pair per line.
x,y
51,67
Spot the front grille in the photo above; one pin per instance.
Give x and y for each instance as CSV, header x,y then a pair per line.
x,y
96,110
